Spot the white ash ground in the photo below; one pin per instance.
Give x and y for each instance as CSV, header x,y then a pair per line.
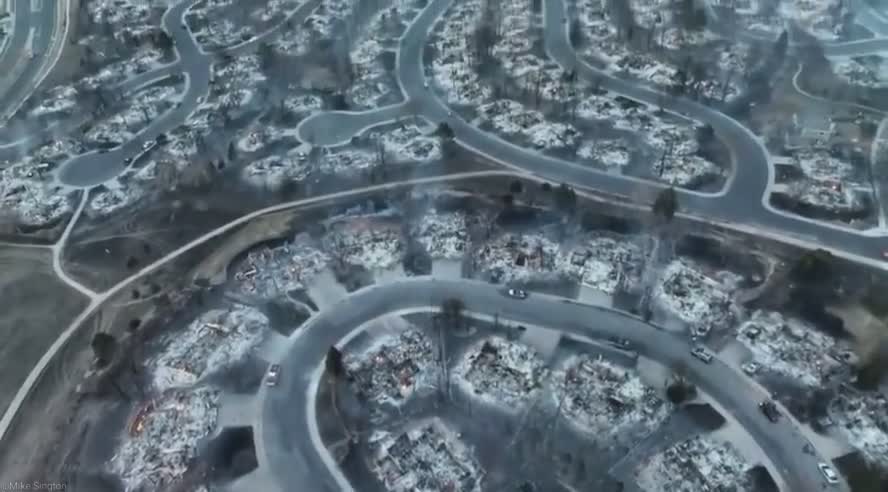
x,y
604,399
372,82
826,195
612,153
64,100
677,141
173,426
31,202
319,25
828,183
372,243
442,234
452,68
596,260
407,142
224,23
695,465
869,71
518,27
145,106
274,171
429,457
128,19
862,418
793,348
513,119
122,192
396,144
605,45
261,135
269,272
501,372
393,368
825,19
234,83
699,300
213,341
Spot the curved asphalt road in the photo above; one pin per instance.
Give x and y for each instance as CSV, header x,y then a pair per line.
x,y
42,23
96,167
285,427
740,204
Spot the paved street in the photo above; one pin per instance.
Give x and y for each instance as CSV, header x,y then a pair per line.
x,y
285,430
285,424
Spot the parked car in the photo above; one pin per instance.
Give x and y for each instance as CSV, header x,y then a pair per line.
x,y
273,375
770,410
619,342
701,353
828,473
517,293
750,367
752,332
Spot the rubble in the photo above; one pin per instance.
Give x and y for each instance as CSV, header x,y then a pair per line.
x,y
442,234
145,107
297,41
701,301
610,153
269,272
510,257
393,368
866,71
373,244
500,371
674,144
699,464
604,399
162,443
602,263
213,341
452,67
407,143
372,83
513,119
863,419
792,348
32,199
427,458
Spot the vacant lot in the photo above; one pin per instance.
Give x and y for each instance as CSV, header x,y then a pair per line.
x,y
34,308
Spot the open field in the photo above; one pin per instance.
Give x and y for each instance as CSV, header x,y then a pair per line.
x,y
34,308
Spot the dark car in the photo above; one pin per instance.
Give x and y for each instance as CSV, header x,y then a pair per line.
x,y
620,343
770,410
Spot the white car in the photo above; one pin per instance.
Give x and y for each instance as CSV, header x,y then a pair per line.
x,y
750,367
828,473
425,85
701,353
517,293
273,375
